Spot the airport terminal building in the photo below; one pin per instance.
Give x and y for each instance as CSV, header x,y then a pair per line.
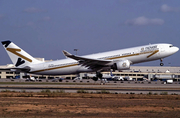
x,y
135,72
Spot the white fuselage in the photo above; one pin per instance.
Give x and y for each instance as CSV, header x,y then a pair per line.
x,y
134,55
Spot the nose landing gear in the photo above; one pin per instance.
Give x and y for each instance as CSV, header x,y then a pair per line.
x,y
161,64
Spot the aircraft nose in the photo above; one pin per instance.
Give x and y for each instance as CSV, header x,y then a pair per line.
x,y
172,50
176,49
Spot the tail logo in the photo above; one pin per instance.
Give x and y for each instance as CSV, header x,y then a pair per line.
x,y
19,62
15,51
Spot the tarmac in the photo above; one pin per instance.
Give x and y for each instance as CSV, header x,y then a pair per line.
x,y
89,85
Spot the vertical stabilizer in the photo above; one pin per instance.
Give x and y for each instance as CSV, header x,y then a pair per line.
x,y
18,56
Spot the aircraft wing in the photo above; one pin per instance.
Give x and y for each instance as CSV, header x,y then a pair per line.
x,y
95,64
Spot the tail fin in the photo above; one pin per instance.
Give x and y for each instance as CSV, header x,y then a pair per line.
x,y
18,56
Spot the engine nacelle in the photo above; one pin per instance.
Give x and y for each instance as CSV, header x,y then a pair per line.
x,y
121,65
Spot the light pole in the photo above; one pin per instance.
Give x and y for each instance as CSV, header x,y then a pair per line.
x,y
76,50
169,64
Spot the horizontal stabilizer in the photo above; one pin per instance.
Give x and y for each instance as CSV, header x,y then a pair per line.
x,y
14,69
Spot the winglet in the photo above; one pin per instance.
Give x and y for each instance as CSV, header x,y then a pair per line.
x,y
67,54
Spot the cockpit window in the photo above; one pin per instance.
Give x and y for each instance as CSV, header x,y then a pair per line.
x,y
171,46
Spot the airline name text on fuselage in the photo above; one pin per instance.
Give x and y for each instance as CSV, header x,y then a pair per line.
x,y
149,48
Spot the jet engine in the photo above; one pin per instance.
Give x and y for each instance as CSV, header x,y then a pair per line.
x,y
121,65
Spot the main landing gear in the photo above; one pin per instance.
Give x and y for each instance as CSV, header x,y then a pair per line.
x,y
161,64
98,76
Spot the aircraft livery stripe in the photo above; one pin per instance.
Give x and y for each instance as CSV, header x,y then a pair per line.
x,y
153,53
15,51
55,68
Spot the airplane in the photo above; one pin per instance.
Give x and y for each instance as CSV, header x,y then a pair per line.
x,y
116,60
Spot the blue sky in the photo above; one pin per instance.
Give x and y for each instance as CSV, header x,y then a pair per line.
x,y
44,28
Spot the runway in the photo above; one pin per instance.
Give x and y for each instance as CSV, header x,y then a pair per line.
x,y
126,87
117,90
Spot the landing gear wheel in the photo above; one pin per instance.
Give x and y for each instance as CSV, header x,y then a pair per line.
x,y
161,64
99,75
